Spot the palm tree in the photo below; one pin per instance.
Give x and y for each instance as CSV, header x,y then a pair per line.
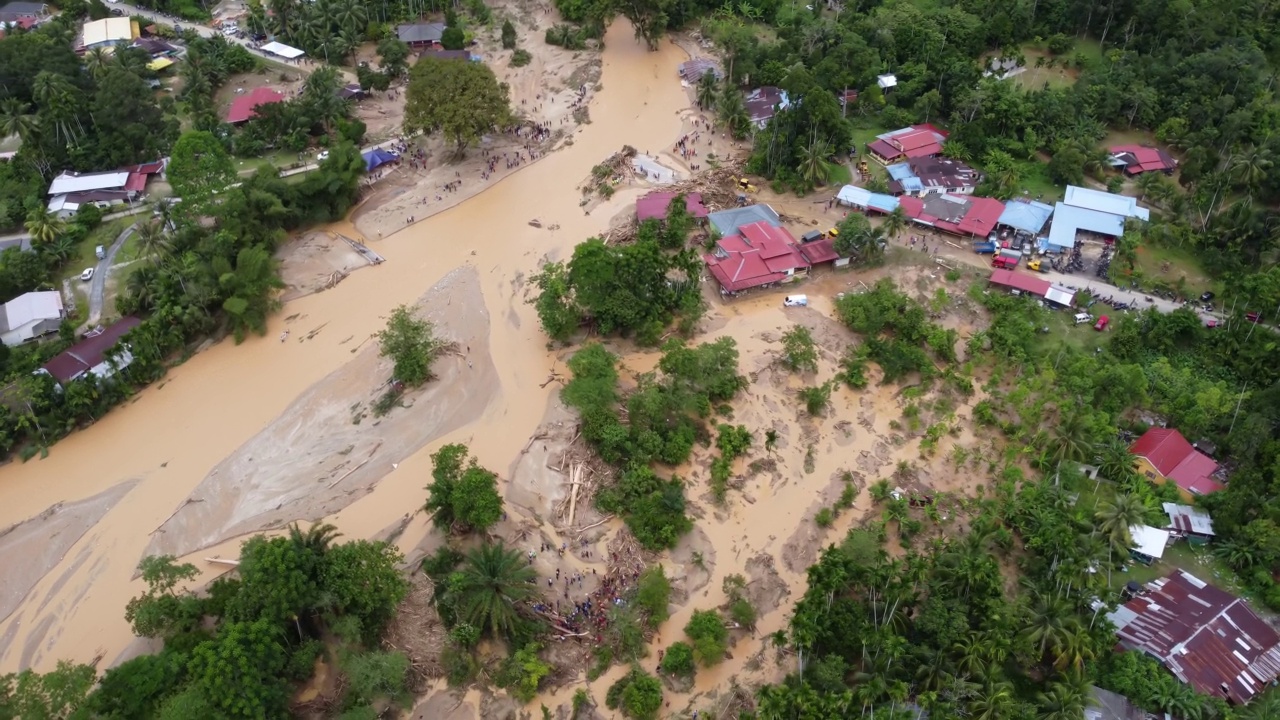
x,y
55,96
1237,554
1072,443
1148,184
1077,649
707,90
992,702
350,15
1048,623
15,119
141,285
317,538
1266,707
814,171
1116,517
1248,169
60,249
96,61
493,581
894,223
44,226
956,150
1116,463
152,241
733,110
1061,702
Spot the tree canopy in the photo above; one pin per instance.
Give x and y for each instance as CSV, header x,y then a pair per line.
x,y
460,101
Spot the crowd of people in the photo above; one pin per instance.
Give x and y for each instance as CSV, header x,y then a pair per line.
x,y
579,610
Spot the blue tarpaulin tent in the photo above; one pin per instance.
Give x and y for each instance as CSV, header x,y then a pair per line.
x,y
377,157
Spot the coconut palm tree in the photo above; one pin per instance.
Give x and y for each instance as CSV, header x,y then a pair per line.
x,y
1249,168
1061,702
16,119
317,538
493,581
733,110
1116,517
152,241
351,15
59,250
1116,463
55,96
1048,623
708,89
97,60
44,227
894,223
813,169
993,702
1072,442
141,285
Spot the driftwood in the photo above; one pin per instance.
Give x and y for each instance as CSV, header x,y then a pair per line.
x,y
538,436
223,561
576,481
581,530
357,467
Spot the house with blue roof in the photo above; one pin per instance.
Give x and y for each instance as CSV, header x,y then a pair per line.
x,y
1091,211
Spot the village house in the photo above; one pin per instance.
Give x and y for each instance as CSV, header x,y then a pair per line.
x,y
692,70
91,355
1092,211
244,107
1106,705
1189,522
24,14
420,35
31,316
932,175
761,255
1019,283
108,32
1205,636
1149,543
964,216
1026,218
909,143
654,205
865,200
727,222
1137,159
764,102
1162,455
70,190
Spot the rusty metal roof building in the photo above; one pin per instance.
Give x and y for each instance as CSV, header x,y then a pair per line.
x,y
1207,637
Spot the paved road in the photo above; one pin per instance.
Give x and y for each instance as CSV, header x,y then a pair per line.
x,y
98,286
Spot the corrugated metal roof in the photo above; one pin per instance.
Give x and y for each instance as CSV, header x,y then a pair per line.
x,y
1188,520
1175,458
1105,202
69,182
107,30
1026,215
1149,541
727,222
1019,281
1207,637
29,307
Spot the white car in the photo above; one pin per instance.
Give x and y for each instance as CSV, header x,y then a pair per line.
x,y
87,275
795,301
323,156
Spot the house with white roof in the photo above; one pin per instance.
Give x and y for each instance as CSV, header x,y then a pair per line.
x,y
70,190
30,316
1093,211
107,32
1148,543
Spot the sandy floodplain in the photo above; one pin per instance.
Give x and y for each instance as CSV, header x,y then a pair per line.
x,y
247,438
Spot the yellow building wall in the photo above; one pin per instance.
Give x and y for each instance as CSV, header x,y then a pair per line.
x,y
1149,471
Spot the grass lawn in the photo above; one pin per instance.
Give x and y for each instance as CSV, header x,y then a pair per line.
x,y
1062,329
839,174
280,159
1171,265
128,251
1036,182
1181,556
103,235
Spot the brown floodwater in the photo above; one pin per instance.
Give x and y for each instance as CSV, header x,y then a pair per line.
x,y
173,433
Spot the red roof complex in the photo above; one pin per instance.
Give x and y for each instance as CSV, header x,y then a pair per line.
x,y
917,141
654,205
1173,457
761,255
954,214
243,107
1207,637
89,352
1138,159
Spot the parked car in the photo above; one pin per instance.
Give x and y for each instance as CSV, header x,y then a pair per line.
x,y
100,252
1004,261
324,155
984,248
1102,323
1082,318
1206,296
87,275
795,300
1252,317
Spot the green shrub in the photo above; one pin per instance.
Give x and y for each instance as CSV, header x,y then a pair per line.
x,y
708,635
521,57
522,672
653,594
637,694
678,660
824,518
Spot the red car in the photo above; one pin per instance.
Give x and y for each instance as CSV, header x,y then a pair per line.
x,y
1252,317
1102,323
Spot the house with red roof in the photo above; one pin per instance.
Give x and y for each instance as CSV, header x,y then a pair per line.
x,y
1162,454
965,216
1137,159
654,205
243,108
909,143
1207,637
760,255
92,356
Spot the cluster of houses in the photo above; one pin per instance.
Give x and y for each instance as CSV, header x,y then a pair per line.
x,y
70,191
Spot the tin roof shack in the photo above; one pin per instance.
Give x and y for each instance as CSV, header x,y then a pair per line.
x,y
1163,454
1190,522
761,256
764,102
1106,705
692,70
1137,159
246,106
917,141
865,200
1149,543
1205,636
30,316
